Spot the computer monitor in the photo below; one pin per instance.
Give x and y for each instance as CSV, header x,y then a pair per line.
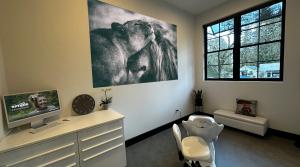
x,y
31,107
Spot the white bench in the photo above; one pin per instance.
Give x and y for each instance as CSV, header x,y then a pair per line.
x,y
257,125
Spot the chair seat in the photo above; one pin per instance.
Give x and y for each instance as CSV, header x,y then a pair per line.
x,y
195,148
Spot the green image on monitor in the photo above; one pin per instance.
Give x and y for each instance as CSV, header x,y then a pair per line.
x,y
21,106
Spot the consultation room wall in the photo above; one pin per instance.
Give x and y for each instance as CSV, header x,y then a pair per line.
x,y
3,91
46,46
3,88
278,101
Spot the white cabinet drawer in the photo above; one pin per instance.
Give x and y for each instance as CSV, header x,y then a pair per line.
x,y
70,160
101,139
99,130
43,153
112,157
93,140
101,148
103,145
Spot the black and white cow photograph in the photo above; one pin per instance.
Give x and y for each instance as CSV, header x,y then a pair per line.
x,y
130,48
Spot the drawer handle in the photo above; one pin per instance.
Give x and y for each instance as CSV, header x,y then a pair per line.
x,y
103,152
57,160
71,165
97,145
41,154
101,134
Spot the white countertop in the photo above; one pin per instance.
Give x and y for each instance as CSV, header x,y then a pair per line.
x,y
75,124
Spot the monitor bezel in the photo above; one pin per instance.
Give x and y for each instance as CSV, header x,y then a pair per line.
x,y
20,122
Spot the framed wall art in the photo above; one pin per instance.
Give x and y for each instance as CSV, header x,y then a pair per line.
x,y
129,48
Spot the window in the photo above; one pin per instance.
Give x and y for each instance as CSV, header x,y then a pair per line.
x,y
220,43
247,46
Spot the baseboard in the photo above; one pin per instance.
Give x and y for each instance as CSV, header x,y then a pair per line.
x,y
283,134
297,143
152,132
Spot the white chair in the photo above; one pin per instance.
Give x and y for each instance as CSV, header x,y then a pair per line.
x,y
205,119
193,149
205,127
209,128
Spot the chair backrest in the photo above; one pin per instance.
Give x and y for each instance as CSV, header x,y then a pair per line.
x,y
177,135
209,133
200,118
206,121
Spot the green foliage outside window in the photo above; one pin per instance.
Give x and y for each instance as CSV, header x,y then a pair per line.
x,y
259,49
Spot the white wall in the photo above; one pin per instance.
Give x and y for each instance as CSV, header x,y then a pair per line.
x,y
46,46
3,88
278,101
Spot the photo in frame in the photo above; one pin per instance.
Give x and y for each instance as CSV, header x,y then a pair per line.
x,y
130,48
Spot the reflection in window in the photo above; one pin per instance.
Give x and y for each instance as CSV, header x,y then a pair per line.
x,y
220,43
257,55
264,38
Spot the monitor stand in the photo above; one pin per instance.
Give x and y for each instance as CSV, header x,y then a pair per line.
x,y
39,125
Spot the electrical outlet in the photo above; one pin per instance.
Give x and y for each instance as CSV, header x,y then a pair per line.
x,y
178,111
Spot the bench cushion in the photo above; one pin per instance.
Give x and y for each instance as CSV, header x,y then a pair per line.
x,y
229,114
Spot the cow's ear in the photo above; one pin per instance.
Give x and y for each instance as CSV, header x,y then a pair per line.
x,y
117,27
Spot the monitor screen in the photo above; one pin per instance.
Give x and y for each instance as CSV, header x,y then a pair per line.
x,y
21,106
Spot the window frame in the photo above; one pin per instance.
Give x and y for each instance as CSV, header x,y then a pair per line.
x,y
237,43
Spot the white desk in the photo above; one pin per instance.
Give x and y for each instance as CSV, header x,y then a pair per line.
x,y
96,139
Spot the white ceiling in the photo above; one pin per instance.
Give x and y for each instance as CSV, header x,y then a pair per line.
x,y
195,6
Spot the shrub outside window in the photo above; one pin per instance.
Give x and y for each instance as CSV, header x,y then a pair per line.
x,y
247,46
